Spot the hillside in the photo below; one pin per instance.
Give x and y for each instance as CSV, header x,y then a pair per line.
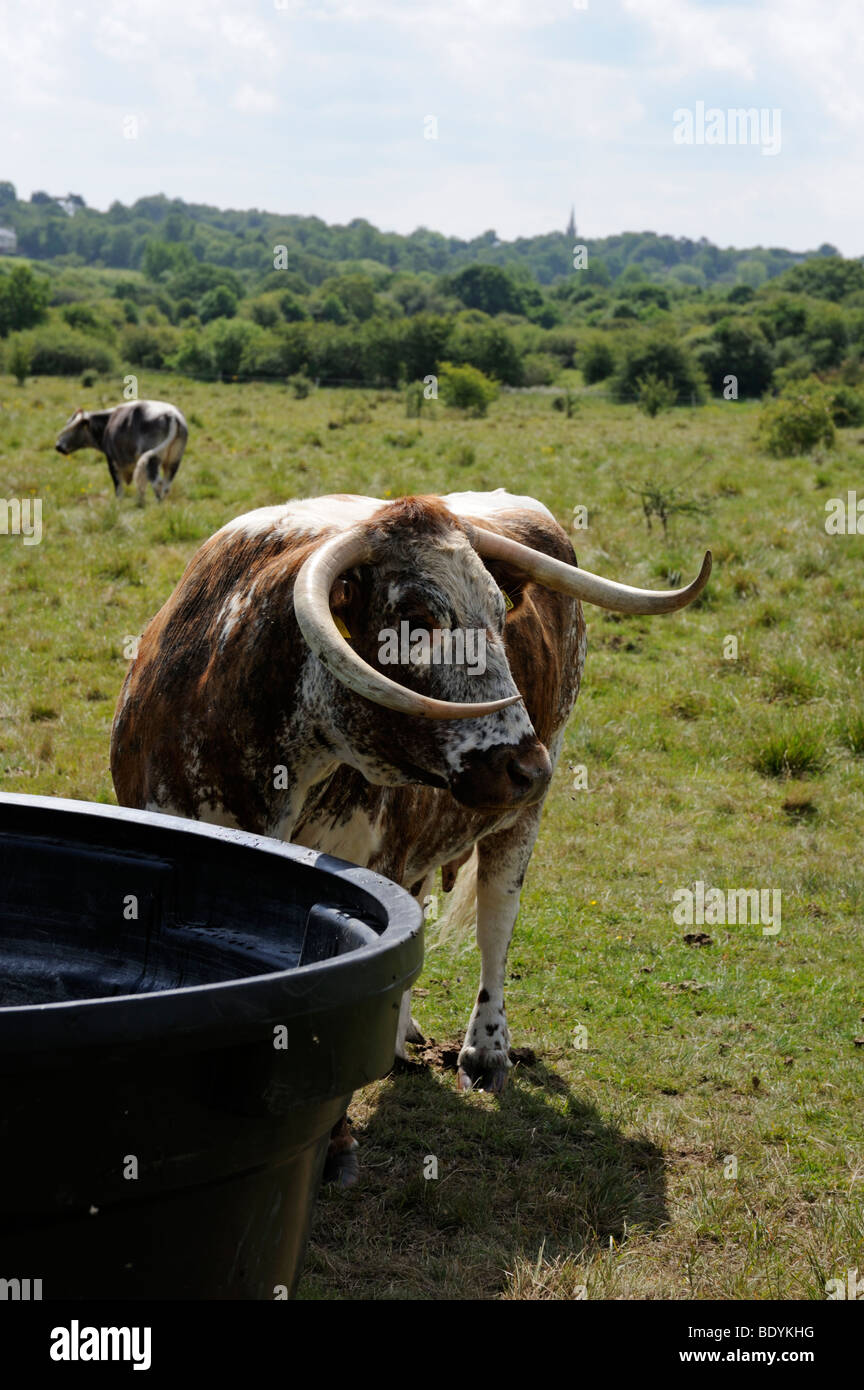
x,y
48,228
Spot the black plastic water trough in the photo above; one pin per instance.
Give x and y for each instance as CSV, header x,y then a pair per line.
x,y
184,1014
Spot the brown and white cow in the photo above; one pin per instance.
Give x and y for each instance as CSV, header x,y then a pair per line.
x,y
143,441
259,698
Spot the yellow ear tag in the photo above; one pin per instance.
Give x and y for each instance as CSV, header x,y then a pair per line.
x,y
342,629
508,602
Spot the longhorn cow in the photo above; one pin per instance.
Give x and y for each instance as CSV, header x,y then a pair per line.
x,y
259,697
141,440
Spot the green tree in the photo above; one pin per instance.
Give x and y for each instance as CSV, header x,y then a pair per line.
x,y
291,308
487,287
356,294
424,344
739,348
333,310
218,303
662,356
488,347
158,258
826,277
23,299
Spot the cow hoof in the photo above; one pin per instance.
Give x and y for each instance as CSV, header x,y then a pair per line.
x,y
479,1071
407,1066
414,1034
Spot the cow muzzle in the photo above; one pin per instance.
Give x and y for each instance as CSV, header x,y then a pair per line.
x,y
503,777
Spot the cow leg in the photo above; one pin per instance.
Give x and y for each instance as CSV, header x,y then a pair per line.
x,y
341,1164
168,472
502,860
115,478
408,1029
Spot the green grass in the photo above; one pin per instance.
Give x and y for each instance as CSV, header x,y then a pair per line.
x,y
601,1166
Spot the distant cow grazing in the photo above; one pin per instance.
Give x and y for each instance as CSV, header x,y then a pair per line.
x,y
260,697
140,439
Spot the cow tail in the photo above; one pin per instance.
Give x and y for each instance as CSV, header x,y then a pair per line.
x,y
166,444
459,917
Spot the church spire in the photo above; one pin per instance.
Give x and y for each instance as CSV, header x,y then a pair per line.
x,y
571,225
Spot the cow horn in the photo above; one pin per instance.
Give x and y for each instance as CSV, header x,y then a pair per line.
x,y
312,586
582,584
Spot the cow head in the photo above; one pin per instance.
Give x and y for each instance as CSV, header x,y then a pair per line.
x,y
402,612
75,434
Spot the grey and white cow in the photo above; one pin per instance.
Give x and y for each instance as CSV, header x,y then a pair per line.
x,y
143,442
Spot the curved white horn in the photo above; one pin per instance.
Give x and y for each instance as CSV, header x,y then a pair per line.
x,y
312,588
582,584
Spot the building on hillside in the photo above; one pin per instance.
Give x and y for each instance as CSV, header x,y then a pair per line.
x,y
8,242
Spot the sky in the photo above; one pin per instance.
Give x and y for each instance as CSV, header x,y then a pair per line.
x,y
323,107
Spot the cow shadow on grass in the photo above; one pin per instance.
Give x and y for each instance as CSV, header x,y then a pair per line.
x,y
456,1192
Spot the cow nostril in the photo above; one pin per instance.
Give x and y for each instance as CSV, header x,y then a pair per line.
x,y
523,774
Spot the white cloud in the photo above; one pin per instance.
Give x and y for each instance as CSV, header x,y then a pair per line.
x,y
254,100
317,105
696,39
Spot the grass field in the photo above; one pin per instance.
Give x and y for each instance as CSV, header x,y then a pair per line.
x,y
605,1166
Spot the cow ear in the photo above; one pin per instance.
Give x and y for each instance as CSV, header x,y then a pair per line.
x,y
347,602
511,582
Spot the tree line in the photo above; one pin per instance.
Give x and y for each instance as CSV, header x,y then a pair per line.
x,y
333,315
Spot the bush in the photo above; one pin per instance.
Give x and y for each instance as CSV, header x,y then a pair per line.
x,y
797,421
301,385
192,357
568,404
466,388
597,361
797,369
231,349
655,395
79,316
540,369
662,357
563,343
59,351
88,379
846,407
413,399
19,361
143,346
